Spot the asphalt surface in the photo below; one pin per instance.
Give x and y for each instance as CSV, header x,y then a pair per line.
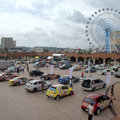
x,y
18,104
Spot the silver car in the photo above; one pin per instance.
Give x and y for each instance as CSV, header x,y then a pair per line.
x,y
36,85
91,84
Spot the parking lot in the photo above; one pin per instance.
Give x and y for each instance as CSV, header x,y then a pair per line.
x,y
18,104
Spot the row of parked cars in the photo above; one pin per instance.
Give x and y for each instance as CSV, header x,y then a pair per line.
x,y
59,90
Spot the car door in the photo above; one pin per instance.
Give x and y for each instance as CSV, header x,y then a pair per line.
x,y
65,90
97,85
101,83
38,84
45,85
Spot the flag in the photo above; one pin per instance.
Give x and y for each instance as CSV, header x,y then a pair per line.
x,y
70,72
51,69
108,77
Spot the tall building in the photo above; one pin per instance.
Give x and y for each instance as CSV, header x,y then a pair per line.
x,y
7,42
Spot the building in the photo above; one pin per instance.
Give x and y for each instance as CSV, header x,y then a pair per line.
x,y
36,49
7,42
115,38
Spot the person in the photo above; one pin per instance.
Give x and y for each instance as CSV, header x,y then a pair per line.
x,y
90,111
27,68
42,85
112,92
17,69
82,74
71,83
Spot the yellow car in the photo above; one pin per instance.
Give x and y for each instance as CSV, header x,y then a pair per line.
x,y
59,90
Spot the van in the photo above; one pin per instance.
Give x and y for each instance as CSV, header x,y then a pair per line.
x,y
92,84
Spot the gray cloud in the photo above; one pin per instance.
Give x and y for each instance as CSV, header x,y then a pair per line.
x,y
77,17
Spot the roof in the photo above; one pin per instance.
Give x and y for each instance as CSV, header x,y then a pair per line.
x,y
33,81
57,85
94,95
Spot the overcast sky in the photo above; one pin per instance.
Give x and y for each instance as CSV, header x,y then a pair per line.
x,y
56,23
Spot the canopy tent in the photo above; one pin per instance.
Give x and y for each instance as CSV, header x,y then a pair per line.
x,y
36,57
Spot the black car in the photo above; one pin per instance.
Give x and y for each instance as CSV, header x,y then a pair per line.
x,y
35,73
117,75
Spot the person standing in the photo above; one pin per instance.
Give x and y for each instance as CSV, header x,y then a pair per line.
x,y
112,92
90,111
71,83
82,74
42,86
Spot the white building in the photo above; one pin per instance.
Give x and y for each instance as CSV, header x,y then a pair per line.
x,y
36,49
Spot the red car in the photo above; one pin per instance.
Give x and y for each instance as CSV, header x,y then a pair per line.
x,y
100,102
7,76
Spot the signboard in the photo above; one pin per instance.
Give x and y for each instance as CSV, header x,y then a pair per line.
x,y
70,72
51,69
108,77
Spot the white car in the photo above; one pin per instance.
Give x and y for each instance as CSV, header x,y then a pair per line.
x,y
104,72
36,85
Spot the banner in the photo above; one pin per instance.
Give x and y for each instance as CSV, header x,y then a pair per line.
x,y
51,69
108,77
70,72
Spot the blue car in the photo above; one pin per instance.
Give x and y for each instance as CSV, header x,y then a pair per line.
x,y
65,79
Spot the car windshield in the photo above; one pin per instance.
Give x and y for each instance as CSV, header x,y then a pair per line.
x,y
29,83
89,100
64,77
52,88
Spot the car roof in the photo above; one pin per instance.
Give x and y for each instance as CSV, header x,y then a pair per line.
x,y
57,85
33,81
94,95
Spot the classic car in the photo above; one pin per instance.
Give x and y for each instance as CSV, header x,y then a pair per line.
x,y
35,73
57,91
7,76
36,85
99,101
66,78
19,81
50,76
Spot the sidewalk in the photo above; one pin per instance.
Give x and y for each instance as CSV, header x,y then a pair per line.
x,y
116,103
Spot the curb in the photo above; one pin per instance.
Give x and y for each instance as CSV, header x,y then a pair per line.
x,y
106,93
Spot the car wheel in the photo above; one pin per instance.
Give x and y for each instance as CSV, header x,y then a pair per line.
x,y
71,92
102,73
98,111
110,104
33,75
17,84
3,79
58,97
93,89
35,90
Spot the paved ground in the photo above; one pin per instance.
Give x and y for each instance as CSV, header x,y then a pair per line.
x,y
116,105
18,104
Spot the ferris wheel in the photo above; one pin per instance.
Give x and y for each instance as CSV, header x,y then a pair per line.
x,y
103,27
